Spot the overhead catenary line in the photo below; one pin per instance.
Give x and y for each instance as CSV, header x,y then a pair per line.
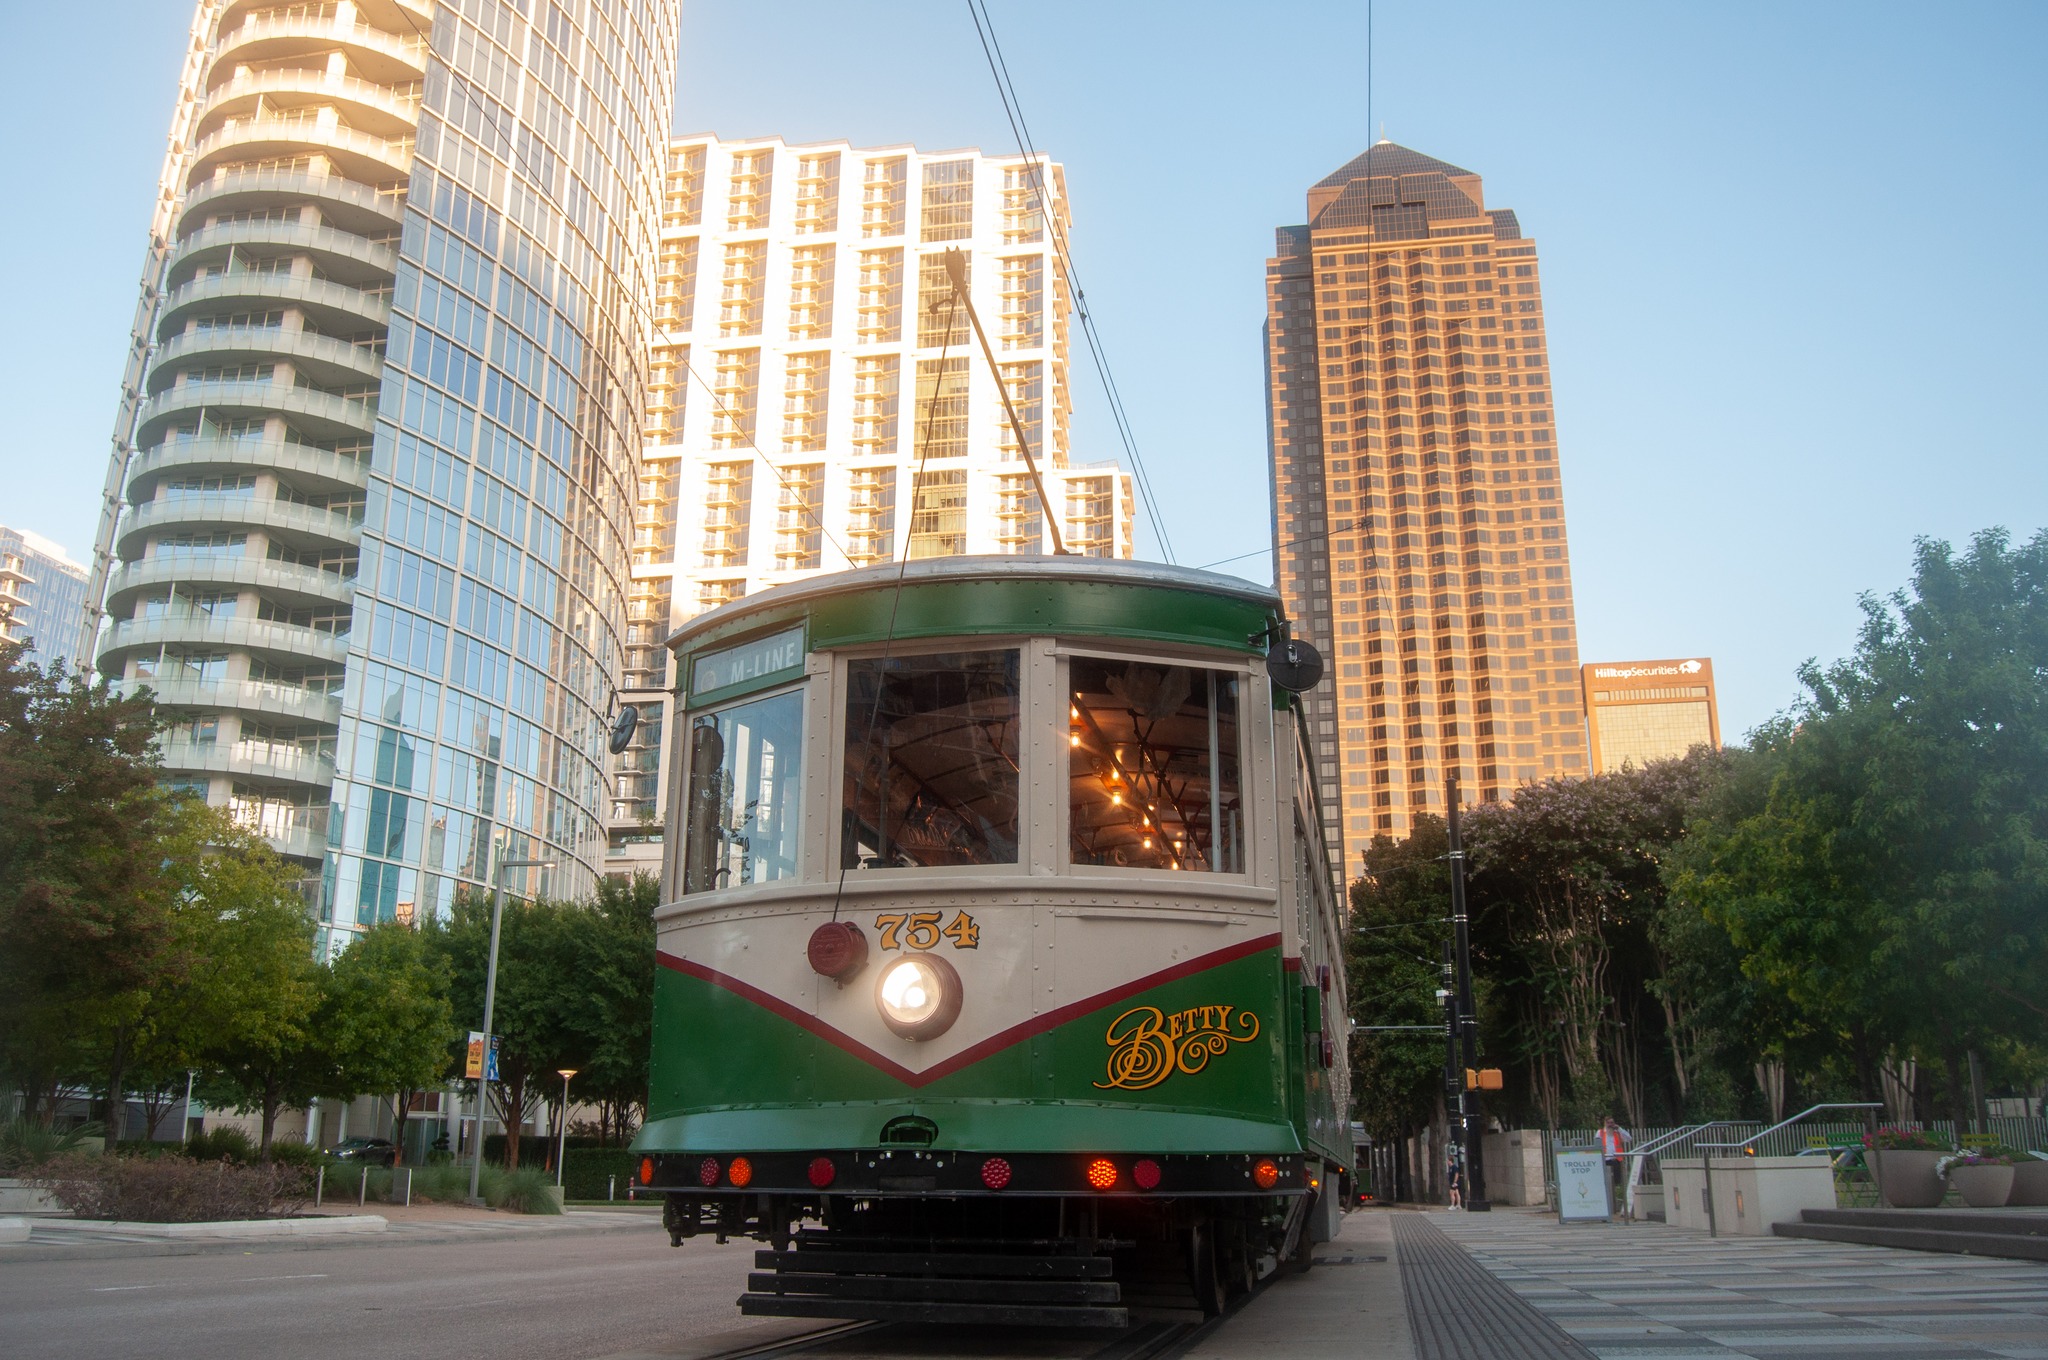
x,y
1020,129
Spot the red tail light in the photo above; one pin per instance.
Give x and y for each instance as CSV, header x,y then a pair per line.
x,y
740,1172
647,1171
707,1171
995,1173
1146,1174
1102,1173
1266,1174
823,1173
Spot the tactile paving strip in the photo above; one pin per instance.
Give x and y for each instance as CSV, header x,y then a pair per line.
x,y
1457,1310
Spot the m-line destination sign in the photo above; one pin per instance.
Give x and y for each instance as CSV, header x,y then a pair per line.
x,y
750,660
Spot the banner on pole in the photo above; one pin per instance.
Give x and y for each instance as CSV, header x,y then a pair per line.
x,y
473,1063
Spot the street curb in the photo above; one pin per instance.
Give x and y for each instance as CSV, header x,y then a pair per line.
x,y
13,1228
232,1230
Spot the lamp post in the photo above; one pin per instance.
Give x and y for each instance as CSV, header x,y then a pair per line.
x,y
562,1147
483,1081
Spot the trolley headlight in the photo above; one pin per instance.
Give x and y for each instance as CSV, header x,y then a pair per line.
x,y
918,996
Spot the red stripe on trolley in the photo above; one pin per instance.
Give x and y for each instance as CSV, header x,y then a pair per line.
x,y
995,1043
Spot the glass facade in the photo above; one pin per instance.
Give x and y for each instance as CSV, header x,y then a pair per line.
x,y
395,413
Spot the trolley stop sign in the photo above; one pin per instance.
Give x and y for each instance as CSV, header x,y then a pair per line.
x,y
1582,1188
473,1059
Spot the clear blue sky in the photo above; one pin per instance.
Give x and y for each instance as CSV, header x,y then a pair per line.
x,y
1791,254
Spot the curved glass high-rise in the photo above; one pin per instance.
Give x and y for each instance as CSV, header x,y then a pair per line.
x,y
368,518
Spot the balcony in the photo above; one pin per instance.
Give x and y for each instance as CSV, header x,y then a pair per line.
x,y
320,357
332,247
396,105
198,453
345,203
285,640
211,511
291,702
253,291
362,155
286,582
371,50
245,760
321,414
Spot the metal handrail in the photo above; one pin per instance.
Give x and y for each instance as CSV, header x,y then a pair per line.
x,y
1788,1123
1707,1154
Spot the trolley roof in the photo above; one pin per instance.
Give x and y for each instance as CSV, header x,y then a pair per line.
x,y
935,571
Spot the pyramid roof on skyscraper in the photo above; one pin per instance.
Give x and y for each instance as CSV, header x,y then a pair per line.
x,y
1389,158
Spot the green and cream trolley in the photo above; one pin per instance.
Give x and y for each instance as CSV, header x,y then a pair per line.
x,y
999,971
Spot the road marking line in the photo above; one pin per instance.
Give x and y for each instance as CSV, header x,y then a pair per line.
x,y
258,1279
122,1288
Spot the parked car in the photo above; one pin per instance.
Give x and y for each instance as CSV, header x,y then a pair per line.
x,y
375,1151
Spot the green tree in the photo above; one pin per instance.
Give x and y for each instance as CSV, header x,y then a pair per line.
x,y
1393,942
616,1027
1892,882
82,917
264,1045
384,1020
1565,882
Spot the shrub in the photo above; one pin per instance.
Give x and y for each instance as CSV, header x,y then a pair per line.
x,y
26,1144
171,1189
225,1144
534,1149
529,1190
443,1182
587,1172
294,1153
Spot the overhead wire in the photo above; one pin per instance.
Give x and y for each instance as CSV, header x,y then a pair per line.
x,y
1020,129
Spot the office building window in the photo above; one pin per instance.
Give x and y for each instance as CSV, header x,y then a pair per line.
x,y
817,194
736,386
938,514
805,393
941,409
799,519
739,310
810,293
936,306
1023,302
948,201
871,515
882,197
747,195
881,297
876,382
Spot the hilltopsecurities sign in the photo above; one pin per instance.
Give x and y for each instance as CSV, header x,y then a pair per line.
x,y
1637,672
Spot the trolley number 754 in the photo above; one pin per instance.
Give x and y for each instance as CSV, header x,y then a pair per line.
x,y
920,930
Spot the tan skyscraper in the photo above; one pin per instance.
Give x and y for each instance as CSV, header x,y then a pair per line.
x,y
1640,711
1419,534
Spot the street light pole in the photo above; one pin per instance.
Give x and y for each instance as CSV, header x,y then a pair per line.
x,y
1474,1115
483,1081
562,1148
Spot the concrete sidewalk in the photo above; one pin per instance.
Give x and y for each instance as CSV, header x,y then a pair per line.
x,y
1349,1305
1651,1292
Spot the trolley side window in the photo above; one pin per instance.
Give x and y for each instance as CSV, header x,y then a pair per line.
x,y
1154,766
746,783
931,760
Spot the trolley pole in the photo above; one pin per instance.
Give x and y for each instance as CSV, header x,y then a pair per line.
x,y
1473,1114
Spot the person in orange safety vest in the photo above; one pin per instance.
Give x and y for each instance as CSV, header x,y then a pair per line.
x,y
1614,1141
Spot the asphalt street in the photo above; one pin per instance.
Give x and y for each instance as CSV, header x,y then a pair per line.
x,y
481,1298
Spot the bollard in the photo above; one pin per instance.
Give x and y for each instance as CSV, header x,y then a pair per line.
x,y
611,1189
319,1185
363,1190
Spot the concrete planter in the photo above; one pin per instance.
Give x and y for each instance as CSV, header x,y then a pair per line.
x,y
2029,1182
19,1197
1750,1193
1905,1177
1982,1187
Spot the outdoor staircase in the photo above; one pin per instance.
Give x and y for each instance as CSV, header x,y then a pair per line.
x,y
2020,1234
